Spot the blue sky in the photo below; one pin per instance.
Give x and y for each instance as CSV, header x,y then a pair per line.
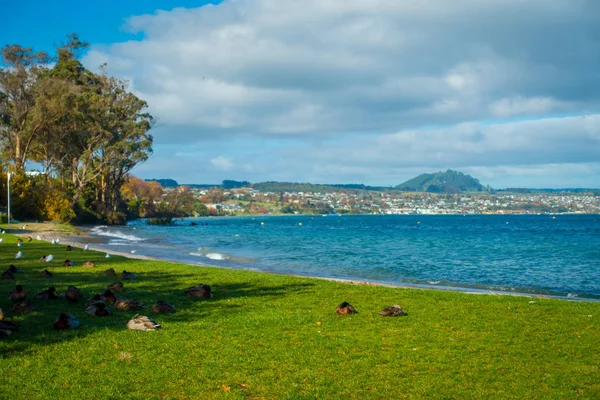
x,y
349,91
44,23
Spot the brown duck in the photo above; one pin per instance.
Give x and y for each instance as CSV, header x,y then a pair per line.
x,y
24,307
7,328
68,263
65,321
392,311
69,248
98,309
93,300
89,264
73,294
48,294
109,296
13,269
345,308
46,274
18,294
7,276
128,305
116,286
162,307
201,290
110,272
126,275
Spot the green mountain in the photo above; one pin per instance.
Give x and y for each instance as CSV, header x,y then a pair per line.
x,y
442,182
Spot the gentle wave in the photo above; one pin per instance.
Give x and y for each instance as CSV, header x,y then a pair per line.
x,y
103,231
213,255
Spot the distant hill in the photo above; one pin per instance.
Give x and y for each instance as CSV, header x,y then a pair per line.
x,y
442,182
166,183
312,187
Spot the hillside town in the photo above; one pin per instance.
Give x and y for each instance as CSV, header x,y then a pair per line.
x,y
249,201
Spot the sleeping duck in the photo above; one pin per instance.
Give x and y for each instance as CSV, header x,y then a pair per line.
x,y
128,305
7,276
109,296
93,300
7,328
109,272
24,307
345,308
392,311
46,274
201,290
65,321
73,294
48,294
13,269
18,294
89,264
142,323
98,309
162,307
116,286
126,275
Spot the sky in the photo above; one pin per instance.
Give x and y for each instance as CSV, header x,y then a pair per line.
x,y
348,91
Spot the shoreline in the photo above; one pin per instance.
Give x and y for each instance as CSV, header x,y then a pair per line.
x,y
95,244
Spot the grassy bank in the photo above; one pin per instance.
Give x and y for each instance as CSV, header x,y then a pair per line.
x,y
270,336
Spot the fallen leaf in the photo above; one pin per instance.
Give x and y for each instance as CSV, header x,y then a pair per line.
x,y
115,346
319,323
226,388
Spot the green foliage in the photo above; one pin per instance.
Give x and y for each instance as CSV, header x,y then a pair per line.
x,y
229,184
86,130
166,183
276,336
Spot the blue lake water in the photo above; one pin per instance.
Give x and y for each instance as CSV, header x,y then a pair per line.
x,y
538,254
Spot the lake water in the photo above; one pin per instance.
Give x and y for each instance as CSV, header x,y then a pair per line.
x,y
540,254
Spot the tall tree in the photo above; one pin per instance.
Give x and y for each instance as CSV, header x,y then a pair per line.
x,y
18,87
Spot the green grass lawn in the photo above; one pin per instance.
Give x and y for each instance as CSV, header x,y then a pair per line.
x,y
277,337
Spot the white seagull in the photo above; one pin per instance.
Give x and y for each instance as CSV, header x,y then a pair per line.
x,y
19,255
38,237
49,258
53,241
132,251
1,240
87,246
19,244
107,255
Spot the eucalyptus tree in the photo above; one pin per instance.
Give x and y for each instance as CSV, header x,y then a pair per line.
x,y
18,94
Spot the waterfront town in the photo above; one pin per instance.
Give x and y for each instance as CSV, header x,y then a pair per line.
x,y
249,201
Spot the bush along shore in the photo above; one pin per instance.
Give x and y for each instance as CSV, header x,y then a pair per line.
x,y
273,336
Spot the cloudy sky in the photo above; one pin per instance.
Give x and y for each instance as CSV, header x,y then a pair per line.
x,y
353,91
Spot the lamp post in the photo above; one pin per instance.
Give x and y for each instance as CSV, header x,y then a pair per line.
x,y
8,213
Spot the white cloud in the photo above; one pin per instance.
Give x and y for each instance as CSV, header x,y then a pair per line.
x,y
330,67
222,163
353,71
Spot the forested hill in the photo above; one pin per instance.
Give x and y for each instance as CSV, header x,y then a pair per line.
x,y
311,188
442,182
